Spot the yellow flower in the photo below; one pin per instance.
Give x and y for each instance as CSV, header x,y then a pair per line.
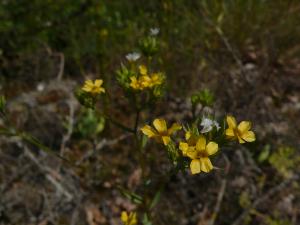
x,y
161,133
143,70
240,132
146,81
156,79
135,83
199,152
129,219
93,87
190,143
140,83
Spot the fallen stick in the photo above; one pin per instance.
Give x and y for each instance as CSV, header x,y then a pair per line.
x,y
266,196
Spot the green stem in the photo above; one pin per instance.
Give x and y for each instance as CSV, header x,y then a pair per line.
x,y
137,118
118,124
32,140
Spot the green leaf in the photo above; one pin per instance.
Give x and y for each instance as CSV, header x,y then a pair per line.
x,y
135,198
144,141
204,97
146,220
265,153
156,199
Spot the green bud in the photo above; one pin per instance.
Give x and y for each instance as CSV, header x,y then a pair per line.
x,y
195,99
149,46
123,76
204,97
86,99
90,123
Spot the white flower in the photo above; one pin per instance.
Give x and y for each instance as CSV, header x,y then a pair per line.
x,y
131,57
40,87
216,124
208,124
154,31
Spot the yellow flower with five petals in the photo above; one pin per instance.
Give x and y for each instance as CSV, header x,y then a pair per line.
x,y
240,132
199,153
161,133
93,87
129,218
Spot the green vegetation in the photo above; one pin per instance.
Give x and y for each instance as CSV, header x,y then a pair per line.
x,y
96,96
92,34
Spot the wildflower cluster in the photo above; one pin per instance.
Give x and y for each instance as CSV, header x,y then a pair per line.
x,y
140,78
201,140
188,145
145,80
138,75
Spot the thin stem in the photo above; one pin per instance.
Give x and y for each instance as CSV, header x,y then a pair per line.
x,y
32,140
163,182
137,118
118,124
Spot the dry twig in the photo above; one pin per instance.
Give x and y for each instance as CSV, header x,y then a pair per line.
x,y
265,197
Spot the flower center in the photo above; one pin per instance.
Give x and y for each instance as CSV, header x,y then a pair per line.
x,y
202,154
94,89
164,133
237,133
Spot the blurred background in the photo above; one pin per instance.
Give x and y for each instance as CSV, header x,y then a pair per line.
x,y
245,52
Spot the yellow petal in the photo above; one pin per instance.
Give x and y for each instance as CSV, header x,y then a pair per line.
x,y
206,165
231,121
102,90
143,70
244,126
248,136
124,217
201,143
98,82
89,83
166,139
146,78
133,79
183,147
241,141
229,132
195,166
174,128
87,88
188,135
132,218
149,131
212,148
160,125
192,153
